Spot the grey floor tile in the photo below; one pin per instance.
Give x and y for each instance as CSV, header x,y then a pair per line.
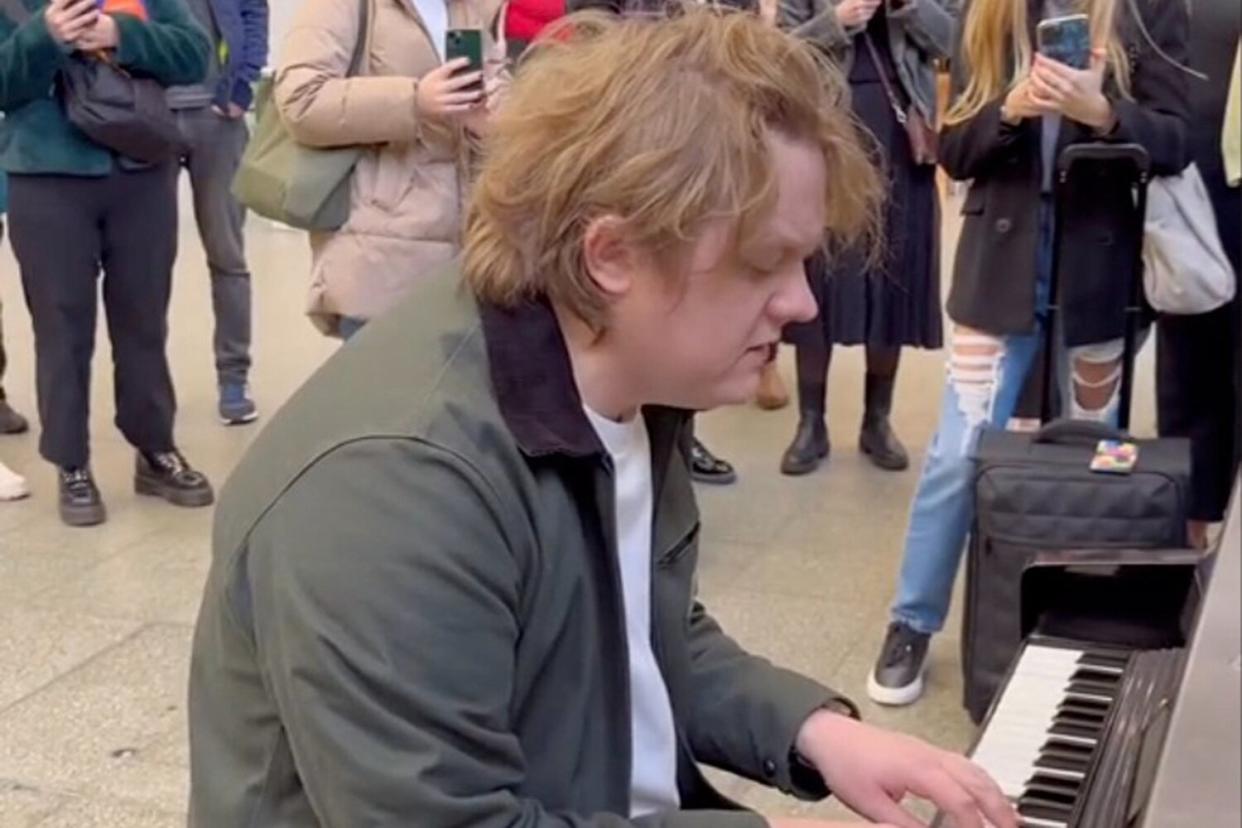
x,y
111,813
801,634
38,645
85,734
25,807
158,579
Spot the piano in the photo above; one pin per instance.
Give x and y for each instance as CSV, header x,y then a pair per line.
x,y
1108,720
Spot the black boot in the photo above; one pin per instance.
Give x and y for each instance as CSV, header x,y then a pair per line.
x,y
167,475
810,445
878,441
80,502
10,421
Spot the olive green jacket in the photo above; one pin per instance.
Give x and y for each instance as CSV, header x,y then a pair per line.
x,y
414,613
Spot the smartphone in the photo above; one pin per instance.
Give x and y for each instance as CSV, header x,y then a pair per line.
x,y
1066,40
467,43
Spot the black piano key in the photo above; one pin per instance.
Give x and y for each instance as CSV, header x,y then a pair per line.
x,y
1105,658
1040,811
1074,731
1084,708
1063,759
1043,783
1059,745
1046,809
1090,677
1089,728
1103,689
1086,717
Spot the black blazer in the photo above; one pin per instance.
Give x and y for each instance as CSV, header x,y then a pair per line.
x,y
994,273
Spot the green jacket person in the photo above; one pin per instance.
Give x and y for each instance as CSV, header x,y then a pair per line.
x,y
453,583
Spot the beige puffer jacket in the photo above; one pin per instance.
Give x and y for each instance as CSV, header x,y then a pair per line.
x,y
408,190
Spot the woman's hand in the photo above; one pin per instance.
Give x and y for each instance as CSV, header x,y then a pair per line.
x,y
68,20
441,94
1020,104
1075,93
852,13
103,35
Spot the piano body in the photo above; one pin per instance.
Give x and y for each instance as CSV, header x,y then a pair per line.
x,y
1123,708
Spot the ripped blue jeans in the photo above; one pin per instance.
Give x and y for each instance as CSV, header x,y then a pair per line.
x,y
985,378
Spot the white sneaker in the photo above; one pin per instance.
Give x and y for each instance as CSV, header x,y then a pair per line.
x,y
12,485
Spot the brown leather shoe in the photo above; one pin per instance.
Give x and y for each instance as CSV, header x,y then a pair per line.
x,y
772,394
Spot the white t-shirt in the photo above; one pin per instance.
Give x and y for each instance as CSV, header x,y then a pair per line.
x,y
653,782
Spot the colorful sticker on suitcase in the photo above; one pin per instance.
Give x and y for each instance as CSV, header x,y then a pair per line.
x,y
1114,457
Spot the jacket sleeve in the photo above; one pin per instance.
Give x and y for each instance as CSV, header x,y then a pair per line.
x,y
746,713
1157,116
390,655
170,47
931,24
320,105
816,21
29,60
254,18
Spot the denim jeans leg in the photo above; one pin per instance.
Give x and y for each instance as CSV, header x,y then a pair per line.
x,y
943,508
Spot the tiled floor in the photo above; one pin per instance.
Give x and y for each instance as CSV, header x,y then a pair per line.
x,y
95,624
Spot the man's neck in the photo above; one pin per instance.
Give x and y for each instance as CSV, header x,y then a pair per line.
x,y
596,372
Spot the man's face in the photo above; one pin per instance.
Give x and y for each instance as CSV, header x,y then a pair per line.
x,y
700,339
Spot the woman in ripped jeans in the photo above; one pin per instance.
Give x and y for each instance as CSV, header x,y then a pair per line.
x,y
1012,113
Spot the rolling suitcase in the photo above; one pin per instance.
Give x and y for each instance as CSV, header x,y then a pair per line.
x,y
1036,497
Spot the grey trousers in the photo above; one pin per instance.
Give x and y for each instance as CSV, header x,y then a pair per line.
x,y
215,147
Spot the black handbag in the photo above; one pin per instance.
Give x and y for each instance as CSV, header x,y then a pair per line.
x,y
128,115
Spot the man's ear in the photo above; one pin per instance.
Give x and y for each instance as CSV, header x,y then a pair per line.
x,y
609,255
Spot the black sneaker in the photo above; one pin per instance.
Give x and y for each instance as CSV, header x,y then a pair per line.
x,y
166,474
706,467
898,675
10,421
80,502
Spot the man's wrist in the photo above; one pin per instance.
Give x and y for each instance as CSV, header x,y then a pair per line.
x,y
820,728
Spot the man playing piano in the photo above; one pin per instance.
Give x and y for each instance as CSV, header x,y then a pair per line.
x,y
453,583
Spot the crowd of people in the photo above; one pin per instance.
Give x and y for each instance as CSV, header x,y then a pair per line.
x,y
643,203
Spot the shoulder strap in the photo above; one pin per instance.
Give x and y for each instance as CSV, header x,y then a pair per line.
x,y
898,110
362,46
16,11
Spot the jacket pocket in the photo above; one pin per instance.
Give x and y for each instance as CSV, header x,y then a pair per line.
x,y
680,549
976,201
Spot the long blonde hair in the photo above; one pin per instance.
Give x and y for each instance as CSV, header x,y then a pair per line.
x,y
661,122
994,27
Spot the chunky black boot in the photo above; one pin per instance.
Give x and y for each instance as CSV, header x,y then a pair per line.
x,y
166,474
877,440
80,503
810,445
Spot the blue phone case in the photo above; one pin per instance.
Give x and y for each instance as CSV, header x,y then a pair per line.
x,y
1066,40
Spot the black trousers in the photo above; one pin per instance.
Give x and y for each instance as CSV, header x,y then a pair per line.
x,y
65,231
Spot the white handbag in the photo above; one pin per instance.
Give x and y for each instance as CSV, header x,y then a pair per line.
x,y
1185,270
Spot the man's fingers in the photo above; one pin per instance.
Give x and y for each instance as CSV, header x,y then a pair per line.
x,y
992,801
947,794
879,807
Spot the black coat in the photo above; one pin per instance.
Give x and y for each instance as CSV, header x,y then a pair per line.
x,y
994,274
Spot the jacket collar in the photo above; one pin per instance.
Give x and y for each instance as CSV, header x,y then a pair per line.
x,y
534,382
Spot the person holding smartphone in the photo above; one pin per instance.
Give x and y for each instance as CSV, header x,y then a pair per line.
x,y
79,210
887,49
1012,112
416,111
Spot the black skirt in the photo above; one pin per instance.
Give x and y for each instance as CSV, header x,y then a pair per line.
x,y
894,299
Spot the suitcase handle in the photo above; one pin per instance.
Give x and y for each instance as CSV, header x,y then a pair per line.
x,y
1078,432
